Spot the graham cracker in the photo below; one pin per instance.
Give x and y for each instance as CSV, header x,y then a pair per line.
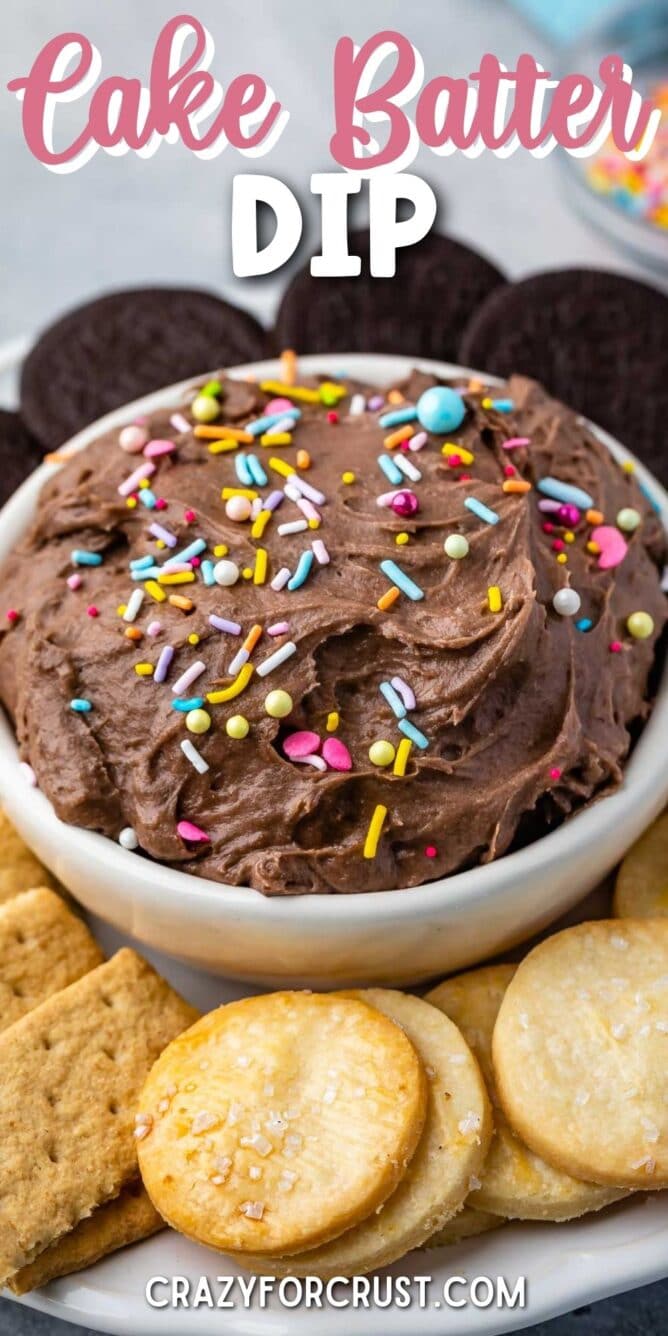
x,y
19,869
71,1073
127,1219
43,948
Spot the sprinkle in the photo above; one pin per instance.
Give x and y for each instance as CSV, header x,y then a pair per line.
x,y
171,577
264,424
92,610
407,694
393,699
166,656
180,601
237,727
403,753
80,706
413,733
277,658
208,573
165,536
276,438
144,669
584,624
289,366
133,605
388,598
392,473
399,577
357,406
274,500
223,446
398,437
258,475
494,598
381,753
457,452
308,509
640,625
186,706
332,418
482,511
188,677
348,477
154,449
311,493
189,516
191,754
418,441
81,558
320,552
193,549
374,831
242,470
179,422
131,483
128,838
401,539
499,405
565,493
555,772
294,526
188,831
140,563
281,579
198,721
332,721
303,459
235,689
430,851
302,572
155,591
409,470
398,416
515,442
260,572
278,704
222,624
221,433
279,466
74,581
375,402
252,638
516,485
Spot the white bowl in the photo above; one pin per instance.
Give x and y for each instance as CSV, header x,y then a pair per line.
x,y
326,940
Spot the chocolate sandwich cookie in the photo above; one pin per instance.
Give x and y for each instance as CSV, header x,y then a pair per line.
x,y
596,339
20,453
124,345
418,312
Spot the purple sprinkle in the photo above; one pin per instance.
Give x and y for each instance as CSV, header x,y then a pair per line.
x,y
187,678
550,507
166,656
221,624
163,534
273,501
375,403
407,694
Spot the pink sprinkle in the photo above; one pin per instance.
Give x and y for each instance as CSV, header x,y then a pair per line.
x,y
279,406
332,417
12,615
558,545
154,628
179,423
189,516
93,611
320,552
188,831
454,461
133,480
278,629
547,527
300,744
154,449
431,851
464,477
615,646
74,581
418,441
195,562
336,754
515,442
550,507
555,772
161,504
509,470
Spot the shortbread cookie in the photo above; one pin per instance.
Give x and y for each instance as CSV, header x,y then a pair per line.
x,y
642,881
72,1070
280,1121
580,1051
127,1219
514,1183
19,869
467,1224
453,1148
43,948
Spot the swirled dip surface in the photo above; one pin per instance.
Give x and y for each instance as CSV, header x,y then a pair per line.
x,y
522,715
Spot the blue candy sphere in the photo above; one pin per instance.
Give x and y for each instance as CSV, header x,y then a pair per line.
x,y
440,409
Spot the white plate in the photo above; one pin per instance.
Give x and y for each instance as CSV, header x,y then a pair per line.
x,y
565,1265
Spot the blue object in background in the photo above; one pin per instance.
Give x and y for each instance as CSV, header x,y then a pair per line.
x,y
567,19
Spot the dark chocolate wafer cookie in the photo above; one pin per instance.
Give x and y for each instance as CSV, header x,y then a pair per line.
x,y
125,344
20,453
597,340
420,312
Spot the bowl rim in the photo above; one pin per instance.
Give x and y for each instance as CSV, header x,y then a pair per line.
x,y
644,775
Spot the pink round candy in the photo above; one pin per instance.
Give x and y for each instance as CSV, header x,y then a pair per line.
x,y
405,504
336,754
569,515
132,439
238,508
279,406
300,744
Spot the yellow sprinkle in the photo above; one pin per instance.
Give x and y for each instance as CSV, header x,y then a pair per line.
x,y
176,577
300,392
569,537
401,758
374,831
395,397
247,572
347,477
121,609
279,466
221,447
260,523
229,492
494,598
131,503
220,550
314,524
450,449
332,721
193,639
260,573
153,588
289,366
487,403
562,558
593,547
144,669
235,689
180,601
144,483
388,598
628,466
396,437
303,459
276,438
204,433
402,539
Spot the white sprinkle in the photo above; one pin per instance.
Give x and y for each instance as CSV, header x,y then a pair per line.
x,y
651,1129
133,605
357,405
257,1142
277,658
320,552
143,1125
202,1122
619,1030
222,1165
275,1123
582,1097
254,1210
407,468
316,761
255,1172
648,1163
191,754
294,526
281,579
236,1112
417,441
294,1140
523,1020
311,493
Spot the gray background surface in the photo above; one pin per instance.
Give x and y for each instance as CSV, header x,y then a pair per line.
x,y
126,221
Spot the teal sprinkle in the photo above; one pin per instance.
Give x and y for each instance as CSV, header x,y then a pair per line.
x,y
80,706
147,497
392,473
410,731
481,510
258,475
403,581
584,624
393,699
82,558
195,703
242,469
398,417
302,572
207,572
